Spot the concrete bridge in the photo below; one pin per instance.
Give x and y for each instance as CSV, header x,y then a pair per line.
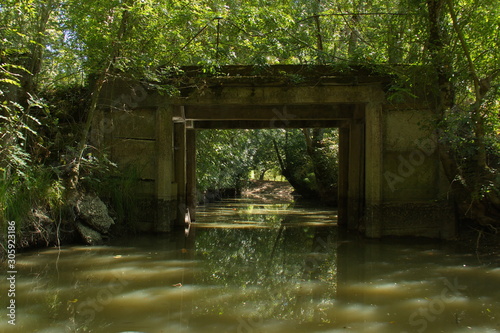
x,y
391,181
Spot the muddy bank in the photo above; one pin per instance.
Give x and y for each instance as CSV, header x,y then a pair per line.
x,y
269,191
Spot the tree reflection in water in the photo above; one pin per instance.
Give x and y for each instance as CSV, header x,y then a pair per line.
x,y
278,269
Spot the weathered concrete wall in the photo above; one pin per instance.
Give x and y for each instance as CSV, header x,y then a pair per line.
x,y
393,181
414,190
141,138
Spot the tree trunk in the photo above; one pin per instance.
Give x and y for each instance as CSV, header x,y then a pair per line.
x,y
37,48
297,184
262,174
354,37
479,91
467,188
325,181
73,169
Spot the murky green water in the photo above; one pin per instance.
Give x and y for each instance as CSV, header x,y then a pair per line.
x,y
249,267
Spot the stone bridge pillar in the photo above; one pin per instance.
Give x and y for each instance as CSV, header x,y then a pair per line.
x,y
373,169
191,171
356,176
180,169
164,167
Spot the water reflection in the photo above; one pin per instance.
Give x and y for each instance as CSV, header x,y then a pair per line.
x,y
250,267
245,213
273,274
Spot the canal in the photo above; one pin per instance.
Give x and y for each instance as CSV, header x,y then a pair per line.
x,y
252,267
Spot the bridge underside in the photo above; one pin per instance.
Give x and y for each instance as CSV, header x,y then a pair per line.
x,y
390,178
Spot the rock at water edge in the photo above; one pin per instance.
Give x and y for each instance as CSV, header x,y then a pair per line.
x,y
89,235
94,213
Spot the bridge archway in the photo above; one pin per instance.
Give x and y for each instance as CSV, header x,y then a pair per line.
x,y
348,118
390,184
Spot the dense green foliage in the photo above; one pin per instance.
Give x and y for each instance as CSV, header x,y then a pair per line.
x,y
227,158
463,51
50,50
224,158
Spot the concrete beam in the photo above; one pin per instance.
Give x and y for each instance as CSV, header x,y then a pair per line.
x,y
268,112
259,124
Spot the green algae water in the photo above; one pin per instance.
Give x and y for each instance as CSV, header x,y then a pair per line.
x,y
255,267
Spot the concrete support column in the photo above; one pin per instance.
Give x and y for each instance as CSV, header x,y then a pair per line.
x,y
343,174
164,168
180,169
355,191
191,172
374,170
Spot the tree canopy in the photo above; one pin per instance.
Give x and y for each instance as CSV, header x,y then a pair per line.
x,y
78,38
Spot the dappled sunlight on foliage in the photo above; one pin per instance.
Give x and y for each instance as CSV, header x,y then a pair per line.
x,y
226,158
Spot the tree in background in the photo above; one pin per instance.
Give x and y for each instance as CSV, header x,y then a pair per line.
x,y
308,159
463,48
224,158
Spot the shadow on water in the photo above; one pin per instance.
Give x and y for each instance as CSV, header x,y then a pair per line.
x,y
256,267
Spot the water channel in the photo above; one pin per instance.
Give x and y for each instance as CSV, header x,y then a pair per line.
x,y
256,267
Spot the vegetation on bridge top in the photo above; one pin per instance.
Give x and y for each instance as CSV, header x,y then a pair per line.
x,y
280,75
277,70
